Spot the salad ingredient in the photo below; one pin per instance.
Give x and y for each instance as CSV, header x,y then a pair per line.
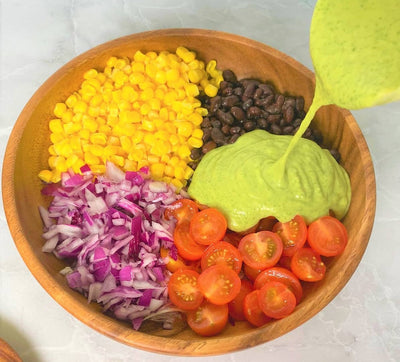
x,y
252,309
283,276
208,226
111,228
175,262
327,236
307,265
136,112
183,290
181,210
261,250
368,45
244,105
293,234
186,245
209,319
250,272
236,306
309,183
219,284
276,300
224,253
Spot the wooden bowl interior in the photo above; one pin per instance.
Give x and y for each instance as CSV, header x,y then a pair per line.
x,y
27,154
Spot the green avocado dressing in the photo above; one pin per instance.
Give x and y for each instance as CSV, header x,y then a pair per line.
x,y
354,45
242,181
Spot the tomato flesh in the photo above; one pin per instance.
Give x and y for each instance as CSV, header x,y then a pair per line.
x,y
208,226
307,265
236,306
252,310
280,275
261,250
327,236
222,252
276,300
181,210
293,234
219,284
208,319
187,247
183,289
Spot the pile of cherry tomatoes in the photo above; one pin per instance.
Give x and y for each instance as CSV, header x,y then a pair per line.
x,y
220,275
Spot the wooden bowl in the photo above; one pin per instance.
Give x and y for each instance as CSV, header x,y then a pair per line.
x,y
26,155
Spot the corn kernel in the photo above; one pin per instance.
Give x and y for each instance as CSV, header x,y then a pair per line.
x,y
195,142
46,176
157,170
98,138
59,109
211,90
184,128
196,75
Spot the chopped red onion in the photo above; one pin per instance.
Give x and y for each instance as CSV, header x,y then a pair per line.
x,y
112,228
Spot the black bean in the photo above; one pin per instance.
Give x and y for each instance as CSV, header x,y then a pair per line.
x,y
275,129
226,129
246,104
238,91
280,99
215,103
224,84
225,117
274,109
253,112
267,89
227,91
233,138
288,114
273,118
262,123
258,93
238,113
206,134
206,122
297,122
287,130
230,101
216,123
235,130
300,104
250,89
229,76
210,145
249,126
217,136
195,153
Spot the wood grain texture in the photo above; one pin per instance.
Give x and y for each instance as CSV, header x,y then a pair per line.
x,y
7,354
26,155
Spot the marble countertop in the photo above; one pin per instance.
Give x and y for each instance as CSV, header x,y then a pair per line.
x,y
38,36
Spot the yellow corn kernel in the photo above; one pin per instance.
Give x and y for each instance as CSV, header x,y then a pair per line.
x,y
84,134
120,63
172,75
169,170
146,94
148,125
163,113
93,111
183,151
67,116
130,165
55,125
70,161
174,139
46,176
169,98
71,127
51,150
184,128
126,143
111,61
145,108
113,140
71,100
177,183
128,93
91,159
210,90
136,78
118,160
137,67
98,169
179,173
60,164
157,170
76,167
191,90
188,173
197,133
89,123
186,55
151,70
195,142
52,161
153,159
196,75
87,91
80,106
59,109
161,77
130,117
98,139
77,117
202,111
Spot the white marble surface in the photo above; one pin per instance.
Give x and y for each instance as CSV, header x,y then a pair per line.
x,y
39,36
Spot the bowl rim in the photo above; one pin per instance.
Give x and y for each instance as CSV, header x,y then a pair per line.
x,y
105,324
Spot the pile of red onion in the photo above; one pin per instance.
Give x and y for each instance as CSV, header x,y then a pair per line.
x,y
110,229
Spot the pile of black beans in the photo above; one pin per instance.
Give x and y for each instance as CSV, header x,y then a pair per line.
x,y
245,105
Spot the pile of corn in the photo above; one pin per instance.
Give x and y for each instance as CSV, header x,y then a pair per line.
x,y
136,113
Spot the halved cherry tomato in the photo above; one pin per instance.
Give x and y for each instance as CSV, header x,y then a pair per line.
x,y
180,263
267,223
252,310
276,300
222,252
208,319
307,265
327,236
236,309
280,275
261,250
293,234
208,226
285,261
181,210
183,289
185,244
219,284
251,273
